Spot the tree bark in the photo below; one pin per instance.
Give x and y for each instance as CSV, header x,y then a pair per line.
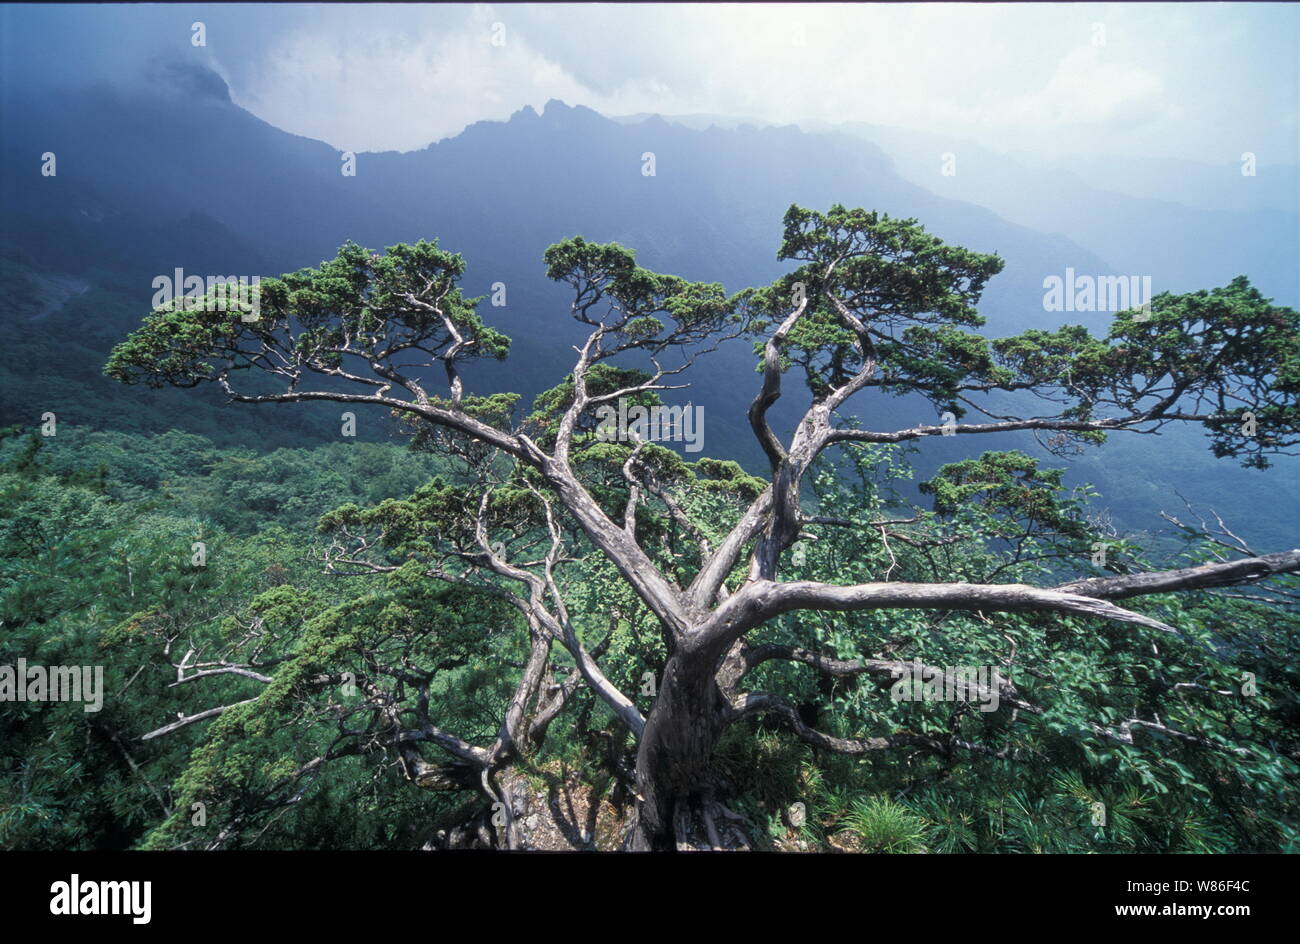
x,y
676,747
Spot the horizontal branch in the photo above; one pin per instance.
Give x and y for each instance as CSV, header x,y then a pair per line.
x,y
756,703
762,600
1009,426
1124,735
1221,574
191,719
877,668
225,670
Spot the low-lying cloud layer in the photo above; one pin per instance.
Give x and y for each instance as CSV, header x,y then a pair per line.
x,y
1202,82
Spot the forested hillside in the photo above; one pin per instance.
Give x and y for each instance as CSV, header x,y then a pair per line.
x,y
96,540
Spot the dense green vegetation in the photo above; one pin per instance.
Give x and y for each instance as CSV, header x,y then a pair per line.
x,y
97,534
95,538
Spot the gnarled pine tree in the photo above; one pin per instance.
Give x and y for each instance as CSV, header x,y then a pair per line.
x,y
875,305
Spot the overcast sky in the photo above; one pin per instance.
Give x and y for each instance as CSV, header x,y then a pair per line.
x,y
1198,81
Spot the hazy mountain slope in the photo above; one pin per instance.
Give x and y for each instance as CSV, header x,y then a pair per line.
x,y
1187,225
1182,222
183,177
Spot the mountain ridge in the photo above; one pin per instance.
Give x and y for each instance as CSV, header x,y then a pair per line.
x,y
203,184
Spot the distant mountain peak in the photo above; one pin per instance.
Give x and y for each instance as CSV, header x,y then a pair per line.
x,y
557,109
191,80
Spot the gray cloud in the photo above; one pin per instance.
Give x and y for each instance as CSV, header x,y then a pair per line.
x,y
1202,82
